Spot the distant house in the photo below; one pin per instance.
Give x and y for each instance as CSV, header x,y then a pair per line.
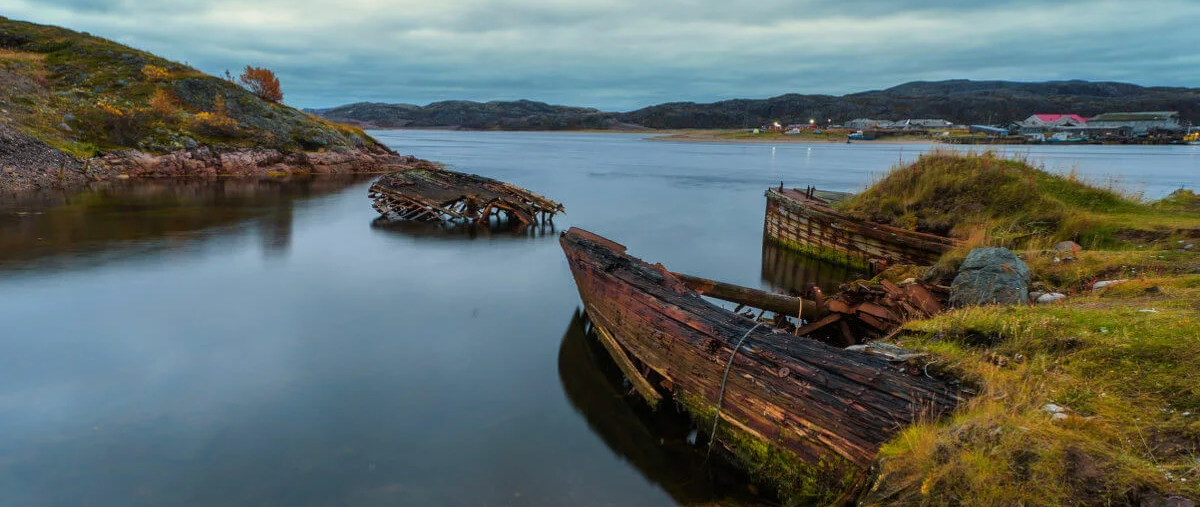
x,y
867,123
923,123
1054,120
800,126
1139,122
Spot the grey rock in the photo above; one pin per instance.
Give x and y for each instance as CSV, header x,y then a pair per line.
x,y
190,144
1057,412
991,276
1107,283
64,127
1157,500
1068,247
68,118
1052,297
1179,501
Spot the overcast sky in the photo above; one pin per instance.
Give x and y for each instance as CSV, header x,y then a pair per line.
x,y
623,54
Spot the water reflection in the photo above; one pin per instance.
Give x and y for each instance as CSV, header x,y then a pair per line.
x,y
656,442
52,229
794,273
462,231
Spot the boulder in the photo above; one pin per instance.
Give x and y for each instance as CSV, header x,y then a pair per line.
x,y
991,276
1068,247
1050,297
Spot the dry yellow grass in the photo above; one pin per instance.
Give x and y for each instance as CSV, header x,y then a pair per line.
x,y
12,55
1122,361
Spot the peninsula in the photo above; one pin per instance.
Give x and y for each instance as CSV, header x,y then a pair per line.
x,y
76,108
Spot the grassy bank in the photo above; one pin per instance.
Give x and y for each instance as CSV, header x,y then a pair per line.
x,y
1122,364
1120,361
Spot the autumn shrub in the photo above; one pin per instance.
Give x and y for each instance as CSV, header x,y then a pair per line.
x,y
123,125
217,122
154,73
262,83
164,105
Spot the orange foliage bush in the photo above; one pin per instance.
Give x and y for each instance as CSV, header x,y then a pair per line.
x,y
164,104
263,83
155,73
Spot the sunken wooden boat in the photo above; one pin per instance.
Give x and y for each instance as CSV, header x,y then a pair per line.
x,y
803,220
828,409
437,195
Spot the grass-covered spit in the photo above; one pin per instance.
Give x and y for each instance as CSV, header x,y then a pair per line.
x,y
1118,365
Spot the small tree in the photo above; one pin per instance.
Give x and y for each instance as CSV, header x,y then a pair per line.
x,y
164,104
263,83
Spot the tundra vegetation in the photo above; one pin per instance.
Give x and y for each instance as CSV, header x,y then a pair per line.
x,y
1090,401
84,95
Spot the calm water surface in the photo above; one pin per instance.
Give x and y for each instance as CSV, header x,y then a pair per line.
x,y
268,344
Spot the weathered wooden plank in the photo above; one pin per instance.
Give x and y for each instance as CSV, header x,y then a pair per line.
x,y
643,386
808,329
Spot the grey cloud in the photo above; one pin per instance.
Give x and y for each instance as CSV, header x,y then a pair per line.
x,y
622,54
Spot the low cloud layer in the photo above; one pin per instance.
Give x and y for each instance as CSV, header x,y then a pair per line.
x,y
623,54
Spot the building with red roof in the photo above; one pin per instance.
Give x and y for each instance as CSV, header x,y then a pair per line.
x,y
1045,120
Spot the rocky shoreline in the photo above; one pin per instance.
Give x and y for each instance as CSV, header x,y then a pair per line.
x,y
29,164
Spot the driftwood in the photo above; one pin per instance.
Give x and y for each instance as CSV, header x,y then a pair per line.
x,y
800,219
824,404
436,195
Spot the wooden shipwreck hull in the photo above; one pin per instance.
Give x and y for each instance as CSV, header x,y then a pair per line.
x,y
441,195
802,220
823,404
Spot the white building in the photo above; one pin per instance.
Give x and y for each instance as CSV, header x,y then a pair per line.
x,y
1141,122
923,123
867,123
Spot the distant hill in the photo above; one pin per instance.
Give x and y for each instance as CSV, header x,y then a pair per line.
x,y
961,101
76,108
515,115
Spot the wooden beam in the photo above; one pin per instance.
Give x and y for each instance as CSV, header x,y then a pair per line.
x,y
640,384
778,303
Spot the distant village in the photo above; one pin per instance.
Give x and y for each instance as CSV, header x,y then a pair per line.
x,y
1150,127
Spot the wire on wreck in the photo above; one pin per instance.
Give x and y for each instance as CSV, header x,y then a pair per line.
x,y
721,396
